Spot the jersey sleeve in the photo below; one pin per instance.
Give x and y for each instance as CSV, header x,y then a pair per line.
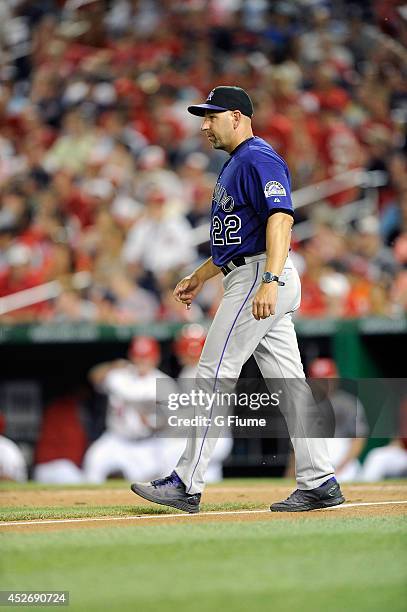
x,y
267,188
109,383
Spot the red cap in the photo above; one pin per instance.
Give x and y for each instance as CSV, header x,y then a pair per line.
x,y
190,341
2,423
144,347
322,368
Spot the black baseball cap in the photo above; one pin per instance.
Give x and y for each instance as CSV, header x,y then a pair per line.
x,y
224,98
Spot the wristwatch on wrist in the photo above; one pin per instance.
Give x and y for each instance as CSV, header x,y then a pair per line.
x,y
269,277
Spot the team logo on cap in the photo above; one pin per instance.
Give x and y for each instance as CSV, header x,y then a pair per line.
x,y
274,188
210,95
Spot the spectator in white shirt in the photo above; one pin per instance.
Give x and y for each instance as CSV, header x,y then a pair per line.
x,y
159,243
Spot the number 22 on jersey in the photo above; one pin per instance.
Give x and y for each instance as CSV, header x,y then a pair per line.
x,y
226,231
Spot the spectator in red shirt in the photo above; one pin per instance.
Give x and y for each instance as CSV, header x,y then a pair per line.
x,y
19,276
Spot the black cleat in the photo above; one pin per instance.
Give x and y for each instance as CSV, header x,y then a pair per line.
x,y
327,495
168,491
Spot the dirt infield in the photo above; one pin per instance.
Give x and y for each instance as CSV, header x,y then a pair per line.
x,y
259,495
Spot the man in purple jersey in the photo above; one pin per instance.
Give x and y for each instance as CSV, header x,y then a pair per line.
x,y
252,217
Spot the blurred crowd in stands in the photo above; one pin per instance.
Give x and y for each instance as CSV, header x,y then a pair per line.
x,y
103,171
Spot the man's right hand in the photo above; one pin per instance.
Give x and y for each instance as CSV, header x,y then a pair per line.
x,y
187,289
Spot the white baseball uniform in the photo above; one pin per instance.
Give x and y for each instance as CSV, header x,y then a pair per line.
x,y
128,444
12,462
388,461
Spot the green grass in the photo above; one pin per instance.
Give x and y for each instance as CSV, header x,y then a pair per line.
x,y
84,510
21,513
347,564
30,513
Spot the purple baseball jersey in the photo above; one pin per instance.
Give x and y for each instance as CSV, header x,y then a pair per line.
x,y
253,184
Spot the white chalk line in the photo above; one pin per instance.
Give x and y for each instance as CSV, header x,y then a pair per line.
x,y
139,517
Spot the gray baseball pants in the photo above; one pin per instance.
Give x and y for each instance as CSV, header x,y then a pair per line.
x,y
234,336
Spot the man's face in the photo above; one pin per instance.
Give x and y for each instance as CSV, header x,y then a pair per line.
x,y
144,365
218,128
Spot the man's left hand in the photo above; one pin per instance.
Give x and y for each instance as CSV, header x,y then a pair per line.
x,y
264,302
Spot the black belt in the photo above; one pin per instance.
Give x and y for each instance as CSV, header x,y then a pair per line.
x,y
238,261
235,263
